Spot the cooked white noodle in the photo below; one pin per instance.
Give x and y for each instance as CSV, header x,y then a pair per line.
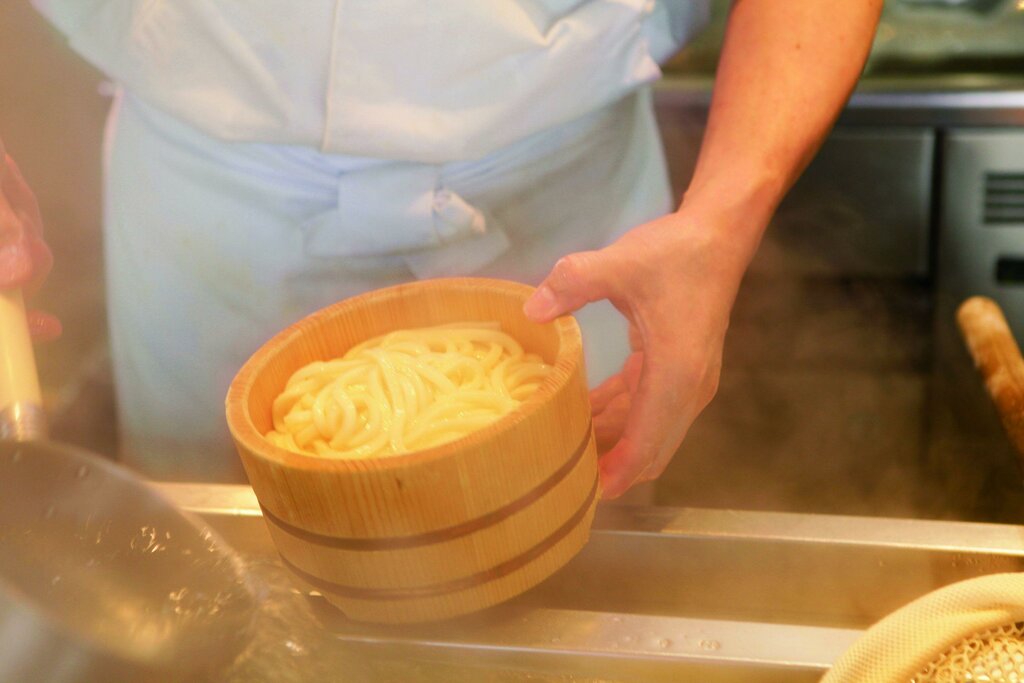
x,y
405,391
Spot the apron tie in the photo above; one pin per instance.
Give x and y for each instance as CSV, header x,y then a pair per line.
x,y
404,210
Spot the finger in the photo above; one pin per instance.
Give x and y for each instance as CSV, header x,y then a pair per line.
x,y
575,280
42,263
607,390
661,461
21,198
625,380
15,257
43,327
617,474
636,340
700,389
632,371
609,425
25,259
658,419
15,264
24,263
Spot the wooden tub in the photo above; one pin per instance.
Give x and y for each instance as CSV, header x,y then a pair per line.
x,y
439,532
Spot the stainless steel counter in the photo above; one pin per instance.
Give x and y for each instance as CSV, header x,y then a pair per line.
x,y
670,594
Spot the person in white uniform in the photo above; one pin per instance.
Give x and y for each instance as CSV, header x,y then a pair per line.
x,y
264,160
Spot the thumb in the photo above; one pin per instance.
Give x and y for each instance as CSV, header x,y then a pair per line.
x,y
576,280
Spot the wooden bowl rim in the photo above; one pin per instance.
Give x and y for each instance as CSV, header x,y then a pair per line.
x,y
244,431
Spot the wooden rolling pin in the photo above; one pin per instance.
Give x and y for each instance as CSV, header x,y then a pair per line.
x,y
998,359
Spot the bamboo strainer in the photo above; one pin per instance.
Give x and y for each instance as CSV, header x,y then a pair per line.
x,y
439,532
972,630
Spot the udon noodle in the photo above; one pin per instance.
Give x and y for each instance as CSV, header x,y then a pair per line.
x,y
405,391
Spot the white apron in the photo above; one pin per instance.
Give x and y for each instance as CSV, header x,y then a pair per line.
x,y
246,186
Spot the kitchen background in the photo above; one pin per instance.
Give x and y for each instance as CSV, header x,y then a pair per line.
x,y
845,388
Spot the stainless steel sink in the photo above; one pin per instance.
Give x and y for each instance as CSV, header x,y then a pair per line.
x,y
671,594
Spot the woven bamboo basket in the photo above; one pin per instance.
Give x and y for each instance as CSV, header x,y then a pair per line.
x,y
439,532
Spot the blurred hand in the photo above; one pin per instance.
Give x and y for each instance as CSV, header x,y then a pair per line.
x,y
675,281
25,260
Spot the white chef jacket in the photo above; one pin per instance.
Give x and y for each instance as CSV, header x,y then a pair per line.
x,y
264,161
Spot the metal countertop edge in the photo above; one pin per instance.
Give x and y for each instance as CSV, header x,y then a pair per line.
x,y
711,524
889,101
738,643
631,637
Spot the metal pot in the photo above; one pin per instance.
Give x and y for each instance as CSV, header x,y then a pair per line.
x,y
101,579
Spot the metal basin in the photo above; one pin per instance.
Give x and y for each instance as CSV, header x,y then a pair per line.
x,y
101,580
670,594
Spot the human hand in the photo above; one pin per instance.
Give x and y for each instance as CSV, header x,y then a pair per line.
x,y
25,259
675,281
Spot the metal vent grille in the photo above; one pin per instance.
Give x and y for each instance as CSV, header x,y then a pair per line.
x,y
1004,198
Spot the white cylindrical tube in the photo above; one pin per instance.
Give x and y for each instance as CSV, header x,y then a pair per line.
x,y
20,398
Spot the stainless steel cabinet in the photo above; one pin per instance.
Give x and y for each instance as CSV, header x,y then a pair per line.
x,y
862,208
981,226
980,250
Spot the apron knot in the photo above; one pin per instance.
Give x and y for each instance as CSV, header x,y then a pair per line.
x,y
404,210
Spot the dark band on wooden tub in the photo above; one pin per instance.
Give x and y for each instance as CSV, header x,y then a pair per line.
x,y
466,582
440,535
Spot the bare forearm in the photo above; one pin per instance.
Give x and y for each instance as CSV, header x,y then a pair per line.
x,y
785,71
